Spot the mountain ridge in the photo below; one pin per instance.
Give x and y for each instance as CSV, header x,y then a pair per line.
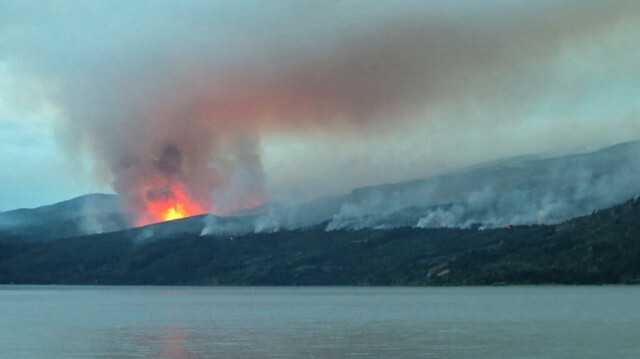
x,y
520,190
600,248
91,213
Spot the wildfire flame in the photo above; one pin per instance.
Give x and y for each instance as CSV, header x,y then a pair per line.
x,y
175,212
168,192
173,203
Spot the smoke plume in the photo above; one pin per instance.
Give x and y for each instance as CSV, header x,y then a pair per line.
x,y
175,103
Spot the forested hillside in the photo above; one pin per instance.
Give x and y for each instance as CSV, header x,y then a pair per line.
x,y
600,248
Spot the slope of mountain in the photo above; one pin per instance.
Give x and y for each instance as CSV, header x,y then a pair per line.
x,y
603,247
93,213
525,190
519,191
335,240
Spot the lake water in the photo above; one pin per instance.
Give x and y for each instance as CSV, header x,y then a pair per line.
x,y
317,322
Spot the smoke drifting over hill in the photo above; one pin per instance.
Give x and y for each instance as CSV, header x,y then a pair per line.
x,y
517,192
190,105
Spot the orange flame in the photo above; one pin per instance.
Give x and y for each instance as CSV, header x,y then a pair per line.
x,y
175,205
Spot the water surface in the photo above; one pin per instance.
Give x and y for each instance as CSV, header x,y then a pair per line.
x,y
319,322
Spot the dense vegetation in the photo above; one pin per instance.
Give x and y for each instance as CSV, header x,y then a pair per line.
x,y
601,248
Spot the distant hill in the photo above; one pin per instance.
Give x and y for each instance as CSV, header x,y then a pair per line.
x,y
603,247
89,214
519,190
522,190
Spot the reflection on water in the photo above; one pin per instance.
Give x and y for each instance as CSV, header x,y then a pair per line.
x,y
157,322
172,344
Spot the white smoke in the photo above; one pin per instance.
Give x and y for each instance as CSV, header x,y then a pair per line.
x,y
541,191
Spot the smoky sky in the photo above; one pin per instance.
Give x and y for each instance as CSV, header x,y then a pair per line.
x,y
253,100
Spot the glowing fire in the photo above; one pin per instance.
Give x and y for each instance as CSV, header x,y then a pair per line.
x,y
168,204
175,212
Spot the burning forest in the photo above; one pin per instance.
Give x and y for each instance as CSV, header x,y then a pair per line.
x,y
196,108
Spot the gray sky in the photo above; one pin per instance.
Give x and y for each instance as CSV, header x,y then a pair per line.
x,y
290,100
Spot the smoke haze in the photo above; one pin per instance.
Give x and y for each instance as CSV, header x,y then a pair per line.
x,y
517,191
235,104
